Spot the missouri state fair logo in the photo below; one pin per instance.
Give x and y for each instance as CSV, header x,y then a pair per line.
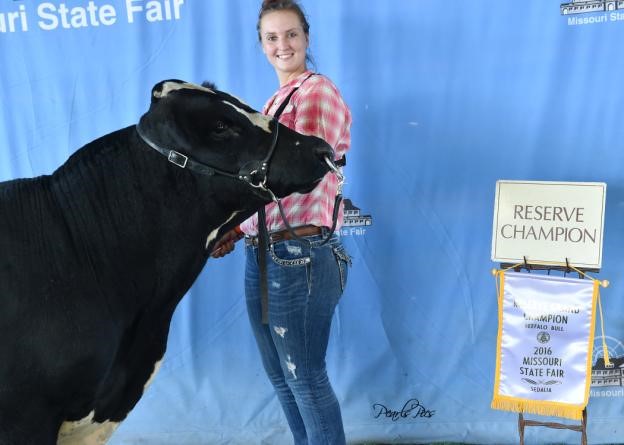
x,y
354,223
607,381
23,16
588,12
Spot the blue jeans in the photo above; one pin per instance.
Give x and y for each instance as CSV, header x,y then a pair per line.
x,y
305,282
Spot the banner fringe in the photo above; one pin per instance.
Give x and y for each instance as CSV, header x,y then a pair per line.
x,y
537,407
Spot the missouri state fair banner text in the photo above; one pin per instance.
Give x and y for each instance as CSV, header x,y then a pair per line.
x,y
50,16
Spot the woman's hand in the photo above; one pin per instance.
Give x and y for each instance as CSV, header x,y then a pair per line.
x,y
227,243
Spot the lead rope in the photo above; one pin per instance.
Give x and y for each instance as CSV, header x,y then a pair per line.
x,y
263,244
263,231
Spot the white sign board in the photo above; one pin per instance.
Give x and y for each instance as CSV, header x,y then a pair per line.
x,y
549,222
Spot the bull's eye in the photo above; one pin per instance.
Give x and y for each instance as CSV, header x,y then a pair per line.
x,y
222,130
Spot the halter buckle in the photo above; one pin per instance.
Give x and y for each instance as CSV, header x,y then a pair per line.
x,y
177,158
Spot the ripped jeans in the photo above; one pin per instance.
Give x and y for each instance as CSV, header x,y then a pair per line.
x,y
305,282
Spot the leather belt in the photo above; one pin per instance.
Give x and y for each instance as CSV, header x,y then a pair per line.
x,y
283,235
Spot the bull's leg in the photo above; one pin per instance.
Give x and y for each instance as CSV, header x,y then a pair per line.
x,y
25,420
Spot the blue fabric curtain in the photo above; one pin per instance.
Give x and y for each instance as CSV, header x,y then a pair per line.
x,y
447,98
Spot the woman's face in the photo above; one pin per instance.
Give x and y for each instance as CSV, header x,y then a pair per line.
x,y
284,43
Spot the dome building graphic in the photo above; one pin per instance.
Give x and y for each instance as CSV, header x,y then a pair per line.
x,y
588,6
353,216
613,375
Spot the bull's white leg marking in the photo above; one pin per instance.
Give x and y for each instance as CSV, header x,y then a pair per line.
x,y
291,367
86,432
168,87
280,331
258,119
151,378
212,235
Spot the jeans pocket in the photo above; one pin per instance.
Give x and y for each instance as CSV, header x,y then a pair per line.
x,y
344,261
293,260
290,254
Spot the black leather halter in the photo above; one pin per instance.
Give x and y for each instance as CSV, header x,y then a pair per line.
x,y
254,173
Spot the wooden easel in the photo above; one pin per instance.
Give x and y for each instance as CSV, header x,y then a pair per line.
x,y
522,422
582,428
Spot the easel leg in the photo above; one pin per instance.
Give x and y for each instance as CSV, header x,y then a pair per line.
x,y
584,426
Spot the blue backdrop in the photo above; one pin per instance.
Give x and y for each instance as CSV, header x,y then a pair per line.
x,y
447,97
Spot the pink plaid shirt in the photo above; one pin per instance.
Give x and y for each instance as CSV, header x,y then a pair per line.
x,y
316,109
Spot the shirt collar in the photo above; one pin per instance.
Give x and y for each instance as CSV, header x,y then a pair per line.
x,y
297,81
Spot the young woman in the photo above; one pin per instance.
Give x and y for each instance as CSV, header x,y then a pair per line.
x,y
305,278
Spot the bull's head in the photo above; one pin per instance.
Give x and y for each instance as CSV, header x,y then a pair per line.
x,y
214,133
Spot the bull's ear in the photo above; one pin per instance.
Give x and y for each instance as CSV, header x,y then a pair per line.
x,y
209,85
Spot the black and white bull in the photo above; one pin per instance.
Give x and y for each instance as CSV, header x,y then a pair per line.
x,y
95,257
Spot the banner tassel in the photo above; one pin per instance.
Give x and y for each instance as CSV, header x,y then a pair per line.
x,y
605,350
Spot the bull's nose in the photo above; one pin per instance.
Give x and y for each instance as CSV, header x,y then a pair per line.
x,y
324,151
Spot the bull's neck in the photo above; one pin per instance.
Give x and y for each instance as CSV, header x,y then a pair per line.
x,y
142,222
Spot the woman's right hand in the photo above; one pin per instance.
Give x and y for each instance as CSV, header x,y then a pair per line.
x,y
227,243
